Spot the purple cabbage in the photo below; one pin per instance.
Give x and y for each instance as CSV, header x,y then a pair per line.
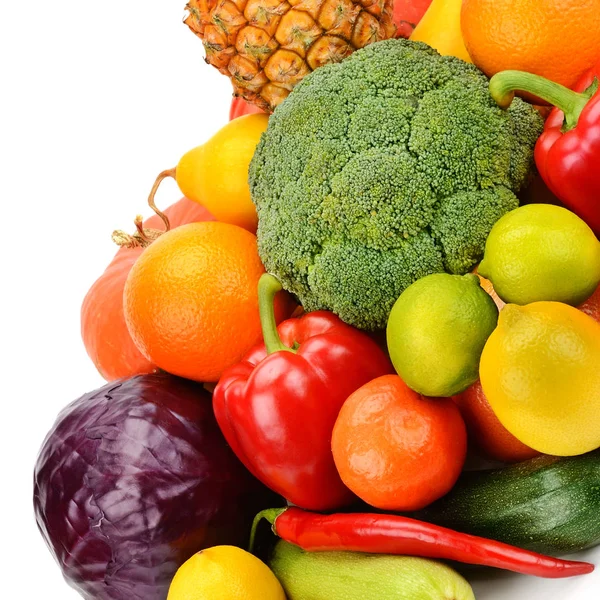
x,y
132,480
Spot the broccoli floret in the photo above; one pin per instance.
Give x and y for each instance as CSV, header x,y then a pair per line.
x,y
360,284
378,170
464,221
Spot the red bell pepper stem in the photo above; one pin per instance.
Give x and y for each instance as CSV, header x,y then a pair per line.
x,y
503,86
393,534
268,286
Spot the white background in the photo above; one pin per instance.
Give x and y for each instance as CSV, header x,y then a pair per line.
x,y
95,99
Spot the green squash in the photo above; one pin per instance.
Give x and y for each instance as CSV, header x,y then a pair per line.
x,y
547,504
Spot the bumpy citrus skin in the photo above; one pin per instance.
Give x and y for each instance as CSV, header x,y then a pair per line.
x,y
225,572
437,330
542,252
191,300
216,173
540,373
559,39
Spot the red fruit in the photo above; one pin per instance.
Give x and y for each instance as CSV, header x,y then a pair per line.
x,y
486,431
407,14
239,108
591,306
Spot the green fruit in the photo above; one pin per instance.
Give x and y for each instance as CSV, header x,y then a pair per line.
x,y
546,504
437,330
358,576
542,252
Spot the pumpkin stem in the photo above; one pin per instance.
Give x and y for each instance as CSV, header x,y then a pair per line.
x,y
161,176
142,238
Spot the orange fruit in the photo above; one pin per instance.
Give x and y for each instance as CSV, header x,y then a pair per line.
x,y
486,431
396,449
557,39
191,300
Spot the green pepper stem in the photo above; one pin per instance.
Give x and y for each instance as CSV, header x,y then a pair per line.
x,y
268,286
270,515
503,86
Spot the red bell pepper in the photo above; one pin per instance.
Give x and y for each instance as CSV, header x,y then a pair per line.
x,y
277,407
567,154
394,534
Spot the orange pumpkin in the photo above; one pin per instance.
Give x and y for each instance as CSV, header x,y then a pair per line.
x,y
103,327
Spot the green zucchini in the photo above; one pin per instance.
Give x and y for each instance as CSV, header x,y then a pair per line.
x,y
546,504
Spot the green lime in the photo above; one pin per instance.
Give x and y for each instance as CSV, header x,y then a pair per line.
x,y
437,330
542,252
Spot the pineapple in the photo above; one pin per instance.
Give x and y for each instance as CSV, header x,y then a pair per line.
x,y
267,46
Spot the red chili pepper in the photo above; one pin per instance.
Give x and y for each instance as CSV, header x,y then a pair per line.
x,y
567,154
277,407
393,534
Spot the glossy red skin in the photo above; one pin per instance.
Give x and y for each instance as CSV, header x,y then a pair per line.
x,y
239,108
407,14
277,412
392,534
569,162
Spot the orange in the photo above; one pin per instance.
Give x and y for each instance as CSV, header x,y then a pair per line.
x,y
398,450
557,39
486,431
191,300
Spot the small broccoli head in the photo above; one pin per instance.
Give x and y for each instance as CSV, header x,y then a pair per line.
x,y
379,170
361,284
463,222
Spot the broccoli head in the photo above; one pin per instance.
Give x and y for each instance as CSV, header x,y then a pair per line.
x,y
381,169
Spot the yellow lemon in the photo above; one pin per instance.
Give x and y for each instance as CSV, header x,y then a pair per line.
x,y
540,371
225,573
440,28
216,173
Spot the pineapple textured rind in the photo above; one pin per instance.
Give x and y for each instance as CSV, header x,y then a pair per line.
x,y
267,46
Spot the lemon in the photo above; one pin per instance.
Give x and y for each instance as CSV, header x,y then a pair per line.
x,y
216,173
540,371
437,330
542,252
225,573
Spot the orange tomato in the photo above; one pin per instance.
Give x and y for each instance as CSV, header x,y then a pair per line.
x,y
396,449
